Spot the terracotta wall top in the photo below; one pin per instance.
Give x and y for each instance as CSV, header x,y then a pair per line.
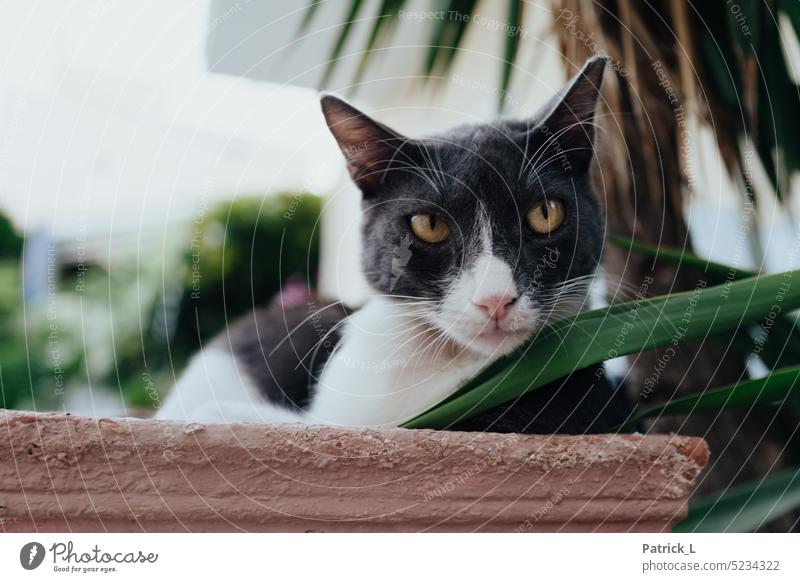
x,y
62,473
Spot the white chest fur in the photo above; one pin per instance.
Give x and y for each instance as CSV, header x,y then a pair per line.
x,y
388,368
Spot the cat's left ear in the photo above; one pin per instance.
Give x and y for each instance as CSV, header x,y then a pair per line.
x,y
567,120
369,147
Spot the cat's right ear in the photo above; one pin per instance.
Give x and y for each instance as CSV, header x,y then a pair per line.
x,y
567,124
369,147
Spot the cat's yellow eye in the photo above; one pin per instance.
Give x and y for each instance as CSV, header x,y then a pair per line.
x,y
429,228
546,216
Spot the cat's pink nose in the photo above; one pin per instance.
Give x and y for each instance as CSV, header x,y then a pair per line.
x,y
496,305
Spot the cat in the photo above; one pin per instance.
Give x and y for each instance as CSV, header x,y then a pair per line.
x,y
473,241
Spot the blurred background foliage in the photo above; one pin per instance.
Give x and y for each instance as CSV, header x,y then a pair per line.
x,y
130,329
10,239
14,368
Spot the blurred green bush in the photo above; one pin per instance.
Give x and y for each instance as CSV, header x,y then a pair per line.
x,y
131,325
234,257
18,371
10,239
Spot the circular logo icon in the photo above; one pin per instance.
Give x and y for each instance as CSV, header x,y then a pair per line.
x,y
31,555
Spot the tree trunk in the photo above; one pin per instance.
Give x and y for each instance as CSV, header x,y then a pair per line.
x,y
651,105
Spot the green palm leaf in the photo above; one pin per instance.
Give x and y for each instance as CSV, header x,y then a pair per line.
x,y
446,36
745,507
596,336
310,12
683,258
772,388
511,45
382,28
352,13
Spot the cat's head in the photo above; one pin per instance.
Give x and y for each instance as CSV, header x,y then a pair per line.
x,y
488,231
